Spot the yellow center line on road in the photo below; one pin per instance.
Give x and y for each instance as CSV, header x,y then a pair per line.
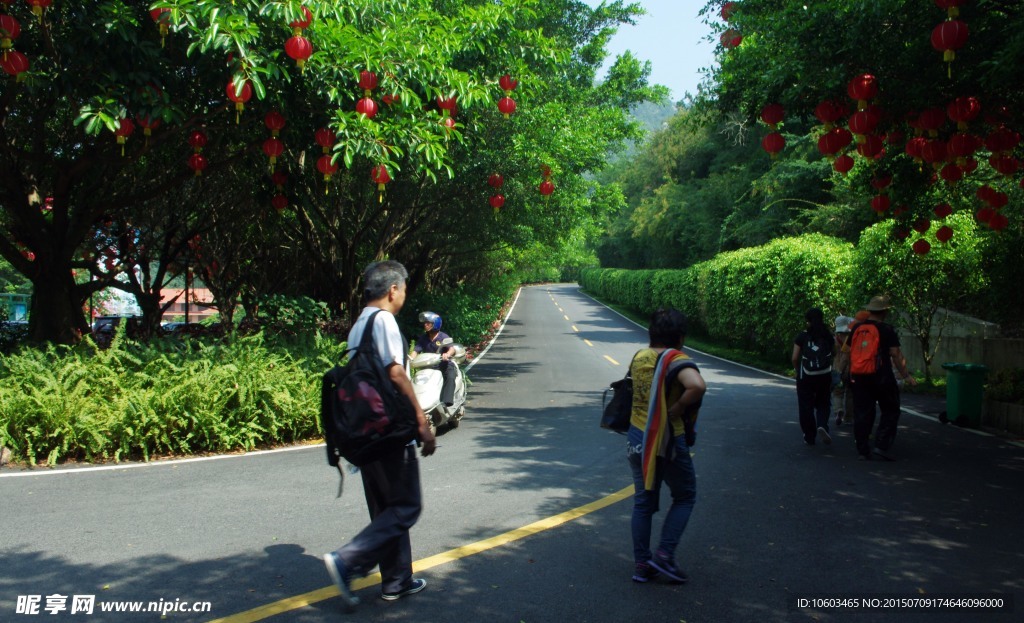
x,y
312,597
611,360
587,342
566,317
575,329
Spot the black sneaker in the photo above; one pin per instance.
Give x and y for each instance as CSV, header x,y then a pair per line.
x,y
415,586
644,572
884,454
664,565
340,575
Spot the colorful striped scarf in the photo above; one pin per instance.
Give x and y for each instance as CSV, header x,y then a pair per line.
x,y
658,432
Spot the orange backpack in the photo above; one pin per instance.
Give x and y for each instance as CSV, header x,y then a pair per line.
x,y
865,357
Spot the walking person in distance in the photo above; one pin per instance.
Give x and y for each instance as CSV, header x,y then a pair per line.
x,y
812,360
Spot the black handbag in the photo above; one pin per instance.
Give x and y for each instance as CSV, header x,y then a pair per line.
x,y
617,411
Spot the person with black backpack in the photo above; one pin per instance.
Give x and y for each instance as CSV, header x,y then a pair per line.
x,y
812,358
392,482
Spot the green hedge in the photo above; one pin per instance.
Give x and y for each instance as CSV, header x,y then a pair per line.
x,y
753,298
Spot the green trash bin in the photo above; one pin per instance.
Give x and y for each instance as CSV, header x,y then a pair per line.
x,y
964,388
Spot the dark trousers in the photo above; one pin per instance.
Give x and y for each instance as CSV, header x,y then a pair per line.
x,y
448,373
393,496
813,394
869,390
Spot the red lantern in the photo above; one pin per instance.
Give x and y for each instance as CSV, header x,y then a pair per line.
x,y
970,165
863,122
932,120
325,138
773,143
239,96
546,188
14,63
881,182
299,48
944,233
326,167
731,39
1002,140
448,123
380,175
301,24
962,146
275,122
392,99
922,247
495,180
10,30
871,147
147,124
38,6
943,210
772,114
901,233
963,110
280,202
998,200
934,151
915,148
998,222
922,225
367,82
862,88
727,10
497,201
951,173
948,37
984,215
843,164
197,162
366,106
1004,163
880,203
273,147
446,104
279,178
197,140
834,141
162,17
123,132
828,112
507,84
507,106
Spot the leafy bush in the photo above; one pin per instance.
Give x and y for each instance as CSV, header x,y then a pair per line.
x,y
1006,385
469,311
137,401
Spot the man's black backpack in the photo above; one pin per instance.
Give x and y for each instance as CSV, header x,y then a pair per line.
x,y
363,414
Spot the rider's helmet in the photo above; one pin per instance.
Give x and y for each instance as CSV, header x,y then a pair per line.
x,y
432,318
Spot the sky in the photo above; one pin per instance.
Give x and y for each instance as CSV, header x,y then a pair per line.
x,y
670,36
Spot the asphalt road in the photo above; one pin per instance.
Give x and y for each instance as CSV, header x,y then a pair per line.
x,y
775,520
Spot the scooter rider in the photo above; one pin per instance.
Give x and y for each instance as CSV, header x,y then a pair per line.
x,y
432,342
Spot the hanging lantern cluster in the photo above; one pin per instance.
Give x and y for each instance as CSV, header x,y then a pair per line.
x,y
162,18
297,46
239,91
325,138
273,147
547,186
950,35
497,200
507,105
731,38
993,202
124,129
197,161
379,174
13,62
366,105
279,201
773,142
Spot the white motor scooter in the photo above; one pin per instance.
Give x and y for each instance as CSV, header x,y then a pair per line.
x,y
427,381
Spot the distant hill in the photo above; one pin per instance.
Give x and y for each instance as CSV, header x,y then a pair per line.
x,y
654,116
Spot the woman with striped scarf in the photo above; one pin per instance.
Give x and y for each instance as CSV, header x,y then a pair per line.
x,y
667,393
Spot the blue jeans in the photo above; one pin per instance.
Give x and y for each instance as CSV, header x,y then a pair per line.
x,y
675,471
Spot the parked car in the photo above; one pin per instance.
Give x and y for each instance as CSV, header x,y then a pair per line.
x,y
103,327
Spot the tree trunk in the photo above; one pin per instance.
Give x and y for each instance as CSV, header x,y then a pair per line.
x,y
56,311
